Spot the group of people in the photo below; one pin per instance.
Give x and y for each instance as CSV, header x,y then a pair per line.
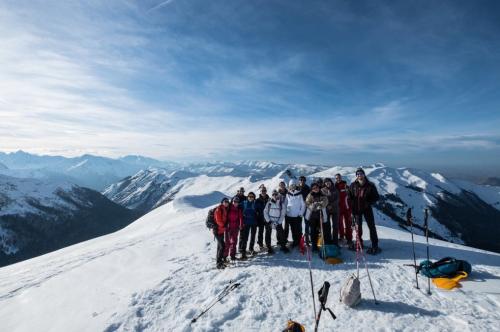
x,y
326,207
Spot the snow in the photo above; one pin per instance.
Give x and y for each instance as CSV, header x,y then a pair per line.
x,y
158,272
18,195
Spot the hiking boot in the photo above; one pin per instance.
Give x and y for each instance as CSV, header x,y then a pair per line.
x,y
233,258
373,250
221,266
261,247
285,249
243,256
253,252
270,251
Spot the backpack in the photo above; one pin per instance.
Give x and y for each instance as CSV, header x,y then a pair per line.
x,y
446,267
350,293
210,222
269,207
330,251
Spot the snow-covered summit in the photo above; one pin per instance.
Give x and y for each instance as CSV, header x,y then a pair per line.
x,y
158,273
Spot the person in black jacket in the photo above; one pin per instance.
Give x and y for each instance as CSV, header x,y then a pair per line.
x,y
303,187
261,222
363,194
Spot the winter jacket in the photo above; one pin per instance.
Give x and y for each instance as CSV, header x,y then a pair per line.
x,y
295,205
235,217
304,191
316,202
333,198
242,198
260,204
282,195
362,196
274,212
344,199
220,216
249,212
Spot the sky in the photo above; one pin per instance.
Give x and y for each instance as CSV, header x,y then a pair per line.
x,y
406,83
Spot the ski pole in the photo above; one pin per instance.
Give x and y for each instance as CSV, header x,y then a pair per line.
x,y
323,250
311,279
323,297
226,291
426,222
409,218
362,254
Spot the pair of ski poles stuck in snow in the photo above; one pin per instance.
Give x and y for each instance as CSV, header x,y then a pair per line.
x,y
409,219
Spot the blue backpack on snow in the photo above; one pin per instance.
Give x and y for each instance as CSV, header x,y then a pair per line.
x,y
446,267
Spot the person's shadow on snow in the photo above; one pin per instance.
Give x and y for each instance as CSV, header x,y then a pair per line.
x,y
398,308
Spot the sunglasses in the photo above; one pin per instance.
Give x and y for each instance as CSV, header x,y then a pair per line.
x,y
358,174
251,196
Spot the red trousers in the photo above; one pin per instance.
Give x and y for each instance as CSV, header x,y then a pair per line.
x,y
230,240
345,229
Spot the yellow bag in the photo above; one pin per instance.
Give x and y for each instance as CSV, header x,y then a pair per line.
x,y
334,260
294,327
450,283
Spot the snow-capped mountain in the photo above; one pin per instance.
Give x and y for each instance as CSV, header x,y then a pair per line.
x,y
87,170
256,169
38,216
147,189
158,273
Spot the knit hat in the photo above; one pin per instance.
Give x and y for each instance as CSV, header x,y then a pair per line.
x,y
236,199
360,170
225,199
292,182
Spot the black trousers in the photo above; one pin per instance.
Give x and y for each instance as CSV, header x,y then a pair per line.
x,y
333,219
220,248
280,236
315,227
247,230
295,224
268,228
261,226
370,221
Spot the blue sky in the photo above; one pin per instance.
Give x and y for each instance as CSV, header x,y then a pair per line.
x,y
407,83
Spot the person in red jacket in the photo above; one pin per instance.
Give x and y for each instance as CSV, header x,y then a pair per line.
x,y
345,230
220,216
235,223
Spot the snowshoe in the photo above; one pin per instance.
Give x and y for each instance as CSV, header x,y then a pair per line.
x,y
373,251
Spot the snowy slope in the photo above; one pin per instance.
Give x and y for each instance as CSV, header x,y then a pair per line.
x,y
157,273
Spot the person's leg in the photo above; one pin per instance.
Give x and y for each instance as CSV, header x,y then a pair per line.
x,y
268,229
370,221
280,236
327,236
220,248
313,228
253,232
234,242
227,242
244,239
335,227
348,226
287,227
260,236
341,225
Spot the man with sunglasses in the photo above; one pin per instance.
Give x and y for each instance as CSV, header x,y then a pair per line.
x,y
364,194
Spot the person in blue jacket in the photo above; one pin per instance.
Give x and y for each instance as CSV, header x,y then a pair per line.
x,y
249,226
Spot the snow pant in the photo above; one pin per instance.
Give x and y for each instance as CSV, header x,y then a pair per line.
x,y
220,248
247,229
295,223
333,219
370,221
231,239
345,230
280,236
261,226
315,225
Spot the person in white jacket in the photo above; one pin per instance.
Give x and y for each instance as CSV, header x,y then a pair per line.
x,y
295,208
274,213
